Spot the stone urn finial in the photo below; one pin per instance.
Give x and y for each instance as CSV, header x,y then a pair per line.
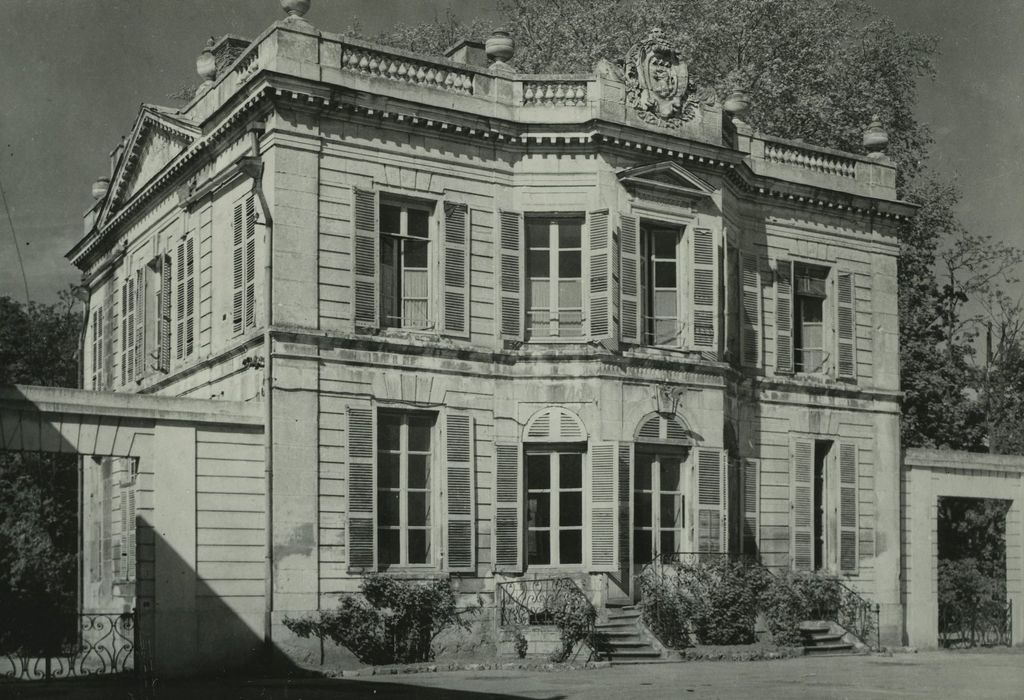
x,y
206,64
295,8
875,137
500,48
100,187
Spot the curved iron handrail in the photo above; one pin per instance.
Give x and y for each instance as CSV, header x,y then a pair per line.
x,y
103,644
525,602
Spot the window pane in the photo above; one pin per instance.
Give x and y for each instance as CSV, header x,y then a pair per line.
x,y
415,254
570,324
388,551
669,474
538,509
414,314
419,223
570,546
665,303
669,510
538,264
538,547
571,470
665,244
570,294
642,509
390,218
570,508
569,264
538,471
811,309
419,433
419,547
665,275
642,476
537,233
669,542
387,507
538,295
419,471
665,331
419,509
388,426
387,470
569,233
642,546
812,335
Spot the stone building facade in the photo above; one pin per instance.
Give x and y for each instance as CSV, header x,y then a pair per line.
x,y
502,326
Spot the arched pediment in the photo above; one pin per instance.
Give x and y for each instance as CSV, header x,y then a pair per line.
x,y
662,429
554,424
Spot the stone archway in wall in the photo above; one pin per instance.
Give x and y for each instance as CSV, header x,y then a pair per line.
x,y
929,475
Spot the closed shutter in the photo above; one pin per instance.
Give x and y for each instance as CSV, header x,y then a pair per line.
x,y
190,297
508,508
629,278
848,556
602,278
250,262
179,298
362,490
846,319
802,540
704,319
164,358
750,310
130,540
784,317
97,346
460,510
712,523
751,475
140,324
603,520
625,476
510,275
366,259
456,270
109,333
238,269
122,548
127,319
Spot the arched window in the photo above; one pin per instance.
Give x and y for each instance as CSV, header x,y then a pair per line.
x,y
660,481
657,428
555,424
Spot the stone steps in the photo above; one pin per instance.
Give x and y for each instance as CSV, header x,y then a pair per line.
x,y
624,630
824,639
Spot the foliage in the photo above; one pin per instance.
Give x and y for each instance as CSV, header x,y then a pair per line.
x,y
519,642
575,620
394,621
39,342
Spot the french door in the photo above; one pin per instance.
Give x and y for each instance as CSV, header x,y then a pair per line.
x,y
659,505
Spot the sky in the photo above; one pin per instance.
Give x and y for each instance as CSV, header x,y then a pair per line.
x,y
73,74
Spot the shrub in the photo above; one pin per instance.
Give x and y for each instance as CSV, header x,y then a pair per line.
x,y
575,621
519,643
795,598
394,621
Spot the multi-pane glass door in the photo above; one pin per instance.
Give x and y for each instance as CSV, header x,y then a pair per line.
x,y
658,505
554,508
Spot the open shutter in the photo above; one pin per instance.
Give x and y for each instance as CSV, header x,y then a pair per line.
x,y
362,490
629,278
751,475
130,539
750,310
848,557
784,317
179,299
97,345
510,275
704,321
366,259
190,297
803,505
109,331
712,523
602,279
127,320
460,511
456,270
238,269
625,475
508,508
250,262
164,359
140,324
846,319
603,520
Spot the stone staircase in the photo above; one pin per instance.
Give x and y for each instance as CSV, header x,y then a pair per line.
x,y
823,638
627,635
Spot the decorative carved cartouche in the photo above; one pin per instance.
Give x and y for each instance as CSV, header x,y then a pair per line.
x,y
657,82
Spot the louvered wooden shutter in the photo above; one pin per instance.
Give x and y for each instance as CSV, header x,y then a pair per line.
x,y
456,270
848,556
97,345
130,540
625,474
126,320
140,324
250,262
712,523
629,279
510,275
179,336
460,511
164,359
238,269
366,259
190,297
846,320
602,278
802,540
750,310
109,333
784,317
508,508
704,319
122,549
362,490
603,520
751,475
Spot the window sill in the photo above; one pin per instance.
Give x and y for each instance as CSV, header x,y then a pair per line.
x,y
432,573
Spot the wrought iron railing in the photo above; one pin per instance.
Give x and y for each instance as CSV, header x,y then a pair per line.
x,y
981,624
537,601
101,644
850,610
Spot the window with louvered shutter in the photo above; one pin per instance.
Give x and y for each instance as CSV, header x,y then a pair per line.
x,y
603,516
460,510
190,297
97,346
625,475
140,324
603,298
750,310
802,504
238,268
179,296
164,358
750,473
366,259
629,278
109,335
250,262
704,299
508,508
846,319
510,274
126,323
361,530
784,317
848,526
456,270
184,299
712,521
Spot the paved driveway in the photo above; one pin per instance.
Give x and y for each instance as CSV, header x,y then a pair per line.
x,y
932,675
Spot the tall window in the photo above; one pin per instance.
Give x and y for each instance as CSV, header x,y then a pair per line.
x,y
554,287
659,282
404,482
404,265
554,503
658,505
809,318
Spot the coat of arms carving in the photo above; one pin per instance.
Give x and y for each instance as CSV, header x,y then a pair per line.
x,y
657,83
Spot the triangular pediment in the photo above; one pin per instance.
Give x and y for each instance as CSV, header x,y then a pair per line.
x,y
669,177
156,140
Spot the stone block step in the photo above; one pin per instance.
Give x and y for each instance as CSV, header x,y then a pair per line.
x,y
631,662
611,626
630,644
647,653
820,639
828,649
621,634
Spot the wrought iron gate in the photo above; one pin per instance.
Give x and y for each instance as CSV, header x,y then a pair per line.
x,y
980,625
